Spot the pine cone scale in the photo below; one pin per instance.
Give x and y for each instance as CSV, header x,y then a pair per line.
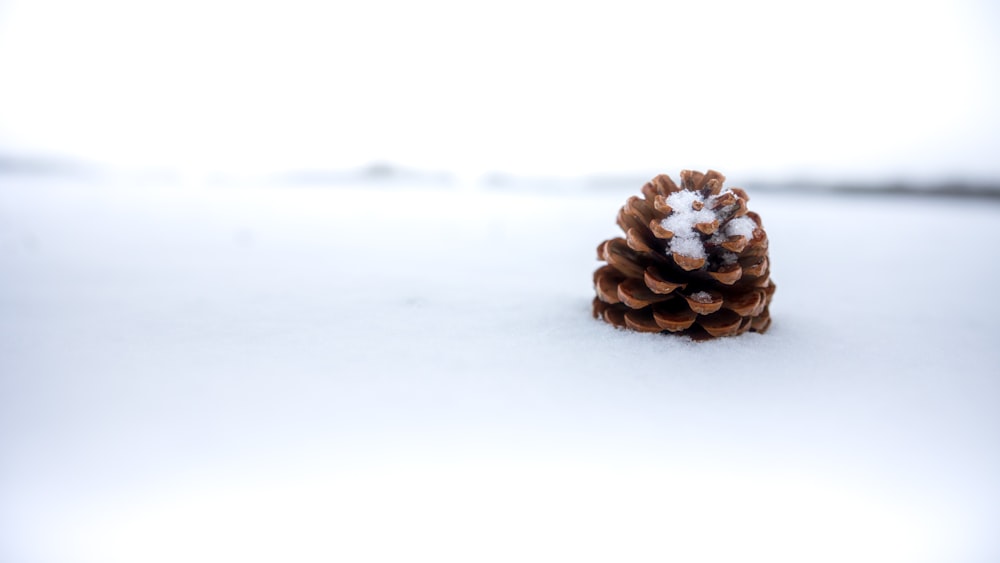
x,y
723,323
735,243
642,320
674,320
704,302
635,294
728,274
637,240
745,304
657,283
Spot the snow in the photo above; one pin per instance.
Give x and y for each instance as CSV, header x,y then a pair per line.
x,y
385,374
687,245
741,227
702,297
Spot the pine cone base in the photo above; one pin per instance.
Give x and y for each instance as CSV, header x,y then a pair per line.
x,y
694,261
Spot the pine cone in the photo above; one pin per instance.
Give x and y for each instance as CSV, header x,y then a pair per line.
x,y
694,261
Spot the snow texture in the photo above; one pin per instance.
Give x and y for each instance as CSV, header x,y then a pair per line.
x,y
264,374
702,297
741,227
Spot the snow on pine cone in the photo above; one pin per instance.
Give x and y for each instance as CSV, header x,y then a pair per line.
x,y
693,261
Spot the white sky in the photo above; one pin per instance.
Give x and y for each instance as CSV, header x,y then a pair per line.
x,y
855,89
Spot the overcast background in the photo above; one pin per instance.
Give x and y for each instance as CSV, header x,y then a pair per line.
x,y
858,91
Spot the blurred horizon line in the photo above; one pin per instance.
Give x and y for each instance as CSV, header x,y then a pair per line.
x,y
383,172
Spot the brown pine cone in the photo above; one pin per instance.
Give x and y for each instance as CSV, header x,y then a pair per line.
x,y
693,261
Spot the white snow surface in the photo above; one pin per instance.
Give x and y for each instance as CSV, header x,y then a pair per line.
x,y
741,227
305,374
